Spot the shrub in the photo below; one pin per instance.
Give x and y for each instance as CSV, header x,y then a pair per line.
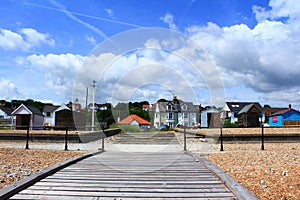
x,y
127,128
228,124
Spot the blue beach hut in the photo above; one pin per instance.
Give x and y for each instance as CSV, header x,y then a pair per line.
x,y
289,117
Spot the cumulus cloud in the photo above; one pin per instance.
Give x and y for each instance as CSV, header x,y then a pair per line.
x,y
288,9
25,39
265,57
60,71
8,90
168,19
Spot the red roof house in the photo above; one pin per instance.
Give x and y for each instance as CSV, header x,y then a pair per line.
x,y
134,120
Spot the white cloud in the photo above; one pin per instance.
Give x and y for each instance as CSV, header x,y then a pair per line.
x,y
10,40
35,39
60,71
91,40
168,19
26,39
264,58
279,8
8,90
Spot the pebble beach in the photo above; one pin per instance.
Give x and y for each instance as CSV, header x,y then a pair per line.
x,y
270,174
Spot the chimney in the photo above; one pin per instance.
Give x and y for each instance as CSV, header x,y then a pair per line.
x,y
290,106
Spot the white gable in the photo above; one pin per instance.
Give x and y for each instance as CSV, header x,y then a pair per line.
x,y
22,110
62,107
134,122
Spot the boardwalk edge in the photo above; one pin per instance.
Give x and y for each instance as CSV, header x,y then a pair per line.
x,y
20,185
240,191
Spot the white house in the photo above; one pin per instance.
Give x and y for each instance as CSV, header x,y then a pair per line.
x,y
5,113
49,112
175,112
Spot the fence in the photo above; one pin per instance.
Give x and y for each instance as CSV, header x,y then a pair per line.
x,y
60,134
245,135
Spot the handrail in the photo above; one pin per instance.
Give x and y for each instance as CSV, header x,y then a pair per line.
x,y
84,137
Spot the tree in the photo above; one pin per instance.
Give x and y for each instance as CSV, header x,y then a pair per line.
x,y
162,100
105,116
141,113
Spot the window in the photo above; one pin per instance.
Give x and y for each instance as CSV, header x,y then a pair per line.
x,y
170,115
169,107
185,115
48,114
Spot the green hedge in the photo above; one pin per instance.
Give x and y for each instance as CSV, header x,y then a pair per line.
x,y
126,128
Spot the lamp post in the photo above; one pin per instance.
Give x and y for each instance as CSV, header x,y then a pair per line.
x,y
262,132
221,130
93,105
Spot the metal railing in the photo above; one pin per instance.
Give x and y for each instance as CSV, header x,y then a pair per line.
x,y
102,133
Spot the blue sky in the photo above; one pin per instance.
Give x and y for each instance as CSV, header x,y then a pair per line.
x,y
252,44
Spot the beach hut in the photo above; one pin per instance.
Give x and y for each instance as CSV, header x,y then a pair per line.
x,y
250,115
288,117
28,115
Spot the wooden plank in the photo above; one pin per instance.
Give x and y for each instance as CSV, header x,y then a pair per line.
x,y
121,175
140,194
137,185
56,197
128,189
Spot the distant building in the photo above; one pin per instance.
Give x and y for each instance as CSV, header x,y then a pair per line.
x,y
250,116
5,113
233,108
175,112
28,115
210,118
135,120
288,117
49,113
65,117
268,110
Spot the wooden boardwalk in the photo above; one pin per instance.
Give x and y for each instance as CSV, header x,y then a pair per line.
x,y
131,175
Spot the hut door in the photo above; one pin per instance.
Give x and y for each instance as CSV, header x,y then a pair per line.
x,y
23,121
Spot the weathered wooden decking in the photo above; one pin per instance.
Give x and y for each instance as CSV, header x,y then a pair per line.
x,y
131,175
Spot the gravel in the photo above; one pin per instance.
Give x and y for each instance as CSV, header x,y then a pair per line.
x,y
270,174
16,164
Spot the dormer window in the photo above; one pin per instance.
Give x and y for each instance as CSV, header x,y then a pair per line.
x,y
184,107
169,107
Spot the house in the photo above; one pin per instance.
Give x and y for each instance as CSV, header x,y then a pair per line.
x,y
28,115
210,117
99,106
233,108
135,120
175,112
288,117
5,113
250,116
146,107
49,113
268,110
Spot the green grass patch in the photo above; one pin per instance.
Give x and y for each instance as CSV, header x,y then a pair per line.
x,y
126,128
